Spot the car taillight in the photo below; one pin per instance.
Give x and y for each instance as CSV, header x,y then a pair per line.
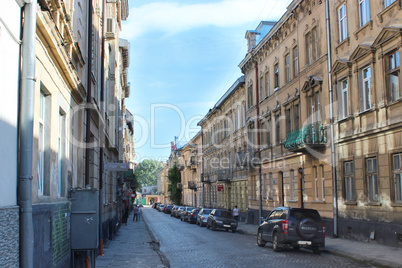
x,y
192,215
323,228
285,226
186,212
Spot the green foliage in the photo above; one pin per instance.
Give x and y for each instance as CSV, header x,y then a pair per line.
x,y
174,177
147,171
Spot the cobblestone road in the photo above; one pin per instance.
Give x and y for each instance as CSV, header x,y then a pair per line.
x,y
188,245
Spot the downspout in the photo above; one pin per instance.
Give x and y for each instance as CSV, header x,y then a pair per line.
x,y
258,144
331,116
202,169
89,96
102,99
25,127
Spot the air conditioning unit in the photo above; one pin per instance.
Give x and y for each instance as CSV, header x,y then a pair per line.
x,y
110,28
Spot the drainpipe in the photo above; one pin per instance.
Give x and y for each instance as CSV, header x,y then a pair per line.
x,y
331,115
258,144
89,96
101,127
202,169
25,127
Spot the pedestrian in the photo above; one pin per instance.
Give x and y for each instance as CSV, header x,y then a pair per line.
x,y
236,213
139,212
135,209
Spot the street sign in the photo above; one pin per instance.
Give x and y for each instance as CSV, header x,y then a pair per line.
x,y
220,188
117,166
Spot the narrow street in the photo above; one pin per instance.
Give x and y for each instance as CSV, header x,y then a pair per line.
x,y
186,245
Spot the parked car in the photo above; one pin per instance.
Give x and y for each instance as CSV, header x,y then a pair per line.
x,y
222,219
168,209
203,216
179,210
294,227
192,217
155,205
160,207
185,213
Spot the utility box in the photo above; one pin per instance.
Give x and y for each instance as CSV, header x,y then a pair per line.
x,y
84,219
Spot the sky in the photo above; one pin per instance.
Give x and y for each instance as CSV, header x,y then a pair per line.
x,y
184,55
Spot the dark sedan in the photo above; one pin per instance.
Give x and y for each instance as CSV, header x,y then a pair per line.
x,y
222,219
168,209
192,217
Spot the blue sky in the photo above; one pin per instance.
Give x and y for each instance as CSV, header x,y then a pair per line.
x,y
184,55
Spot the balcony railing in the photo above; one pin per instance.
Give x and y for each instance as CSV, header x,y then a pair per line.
x,y
312,136
224,174
192,185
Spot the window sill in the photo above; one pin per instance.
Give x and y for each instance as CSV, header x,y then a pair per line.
x,y
344,41
350,203
318,202
388,8
392,103
276,89
293,201
396,204
366,111
368,24
373,203
347,118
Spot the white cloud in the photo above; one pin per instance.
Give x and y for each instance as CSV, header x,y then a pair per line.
x,y
172,17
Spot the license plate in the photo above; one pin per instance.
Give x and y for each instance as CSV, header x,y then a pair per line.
x,y
228,226
304,242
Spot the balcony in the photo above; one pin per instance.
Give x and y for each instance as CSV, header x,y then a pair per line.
x,y
179,186
192,185
205,178
312,136
224,175
246,159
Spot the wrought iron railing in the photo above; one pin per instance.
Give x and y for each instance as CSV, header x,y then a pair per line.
x,y
306,135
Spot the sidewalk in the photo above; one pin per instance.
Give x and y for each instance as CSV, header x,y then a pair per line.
x,y
373,254
133,246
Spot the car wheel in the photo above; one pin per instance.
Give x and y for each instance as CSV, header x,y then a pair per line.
x,y
213,227
296,247
260,241
201,224
207,225
316,250
227,230
233,230
275,244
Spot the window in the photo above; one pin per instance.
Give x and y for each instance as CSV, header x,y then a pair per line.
x,y
238,118
315,107
316,182
365,93
288,120
349,181
309,47
265,190
261,89
323,182
364,12
250,96
277,129
314,37
244,114
61,152
393,76
41,164
271,186
267,84
287,67
343,99
295,62
342,24
397,170
276,77
292,185
372,178
388,2
296,113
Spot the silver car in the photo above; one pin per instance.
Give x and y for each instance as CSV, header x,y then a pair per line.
x,y
203,216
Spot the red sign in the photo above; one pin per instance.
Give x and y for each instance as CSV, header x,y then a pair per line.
x,y
220,188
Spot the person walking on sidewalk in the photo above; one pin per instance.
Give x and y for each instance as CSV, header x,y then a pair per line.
x,y
236,213
139,212
135,209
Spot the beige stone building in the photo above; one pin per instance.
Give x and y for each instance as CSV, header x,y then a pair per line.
x,y
366,44
223,140
286,83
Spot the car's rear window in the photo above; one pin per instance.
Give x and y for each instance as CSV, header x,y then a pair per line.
x,y
189,209
206,211
181,208
301,214
224,214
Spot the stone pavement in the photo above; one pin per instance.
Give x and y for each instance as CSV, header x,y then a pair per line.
x,y
133,246
369,253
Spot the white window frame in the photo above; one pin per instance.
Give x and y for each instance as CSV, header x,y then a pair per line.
x,y
276,76
349,180
387,3
364,12
287,67
393,70
60,151
366,90
316,182
41,143
342,23
267,84
295,61
345,97
323,182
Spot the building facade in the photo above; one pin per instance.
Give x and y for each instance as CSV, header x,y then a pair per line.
x,y
366,43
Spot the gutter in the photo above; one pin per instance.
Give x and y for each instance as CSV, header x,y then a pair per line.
x,y
25,131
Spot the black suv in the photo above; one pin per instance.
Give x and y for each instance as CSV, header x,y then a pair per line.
x,y
295,227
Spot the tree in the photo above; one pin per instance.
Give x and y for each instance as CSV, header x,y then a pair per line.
x,y
147,172
174,178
